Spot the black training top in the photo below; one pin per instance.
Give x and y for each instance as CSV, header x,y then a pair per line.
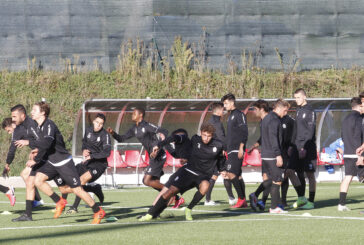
x,y
287,131
20,133
205,157
271,136
145,132
179,146
351,132
50,144
219,128
98,143
237,130
304,132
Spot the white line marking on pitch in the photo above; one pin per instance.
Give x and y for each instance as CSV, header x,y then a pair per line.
x,y
142,223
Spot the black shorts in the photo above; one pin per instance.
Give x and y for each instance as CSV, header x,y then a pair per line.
x,y
95,167
155,167
67,173
234,164
350,166
216,171
185,180
35,168
274,173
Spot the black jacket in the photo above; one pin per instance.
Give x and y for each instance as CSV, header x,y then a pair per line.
x,y
304,133
287,131
219,129
21,132
237,130
145,132
205,157
49,142
271,136
179,146
98,143
351,132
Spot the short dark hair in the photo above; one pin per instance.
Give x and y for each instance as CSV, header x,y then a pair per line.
x,y
207,127
20,108
6,122
261,104
180,131
355,101
228,96
281,103
361,95
44,107
140,110
101,116
300,90
216,105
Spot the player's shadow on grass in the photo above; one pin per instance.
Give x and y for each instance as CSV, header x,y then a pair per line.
x,y
335,201
96,229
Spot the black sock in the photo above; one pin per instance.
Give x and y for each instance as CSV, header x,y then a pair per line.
x,y
95,208
36,194
28,208
342,198
158,208
311,197
267,186
284,188
301,177
275,198
237,185
55,197
229,190
64,195
3,189
242,184
76,202
208,194
299,190
196,198
259,190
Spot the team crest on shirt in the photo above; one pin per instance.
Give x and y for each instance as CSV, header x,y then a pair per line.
x,y
228,167
232,118
94,171
89,135
198,145
304,115
59,180
214,149
143,130
175,179
98,139
75,181
284,125
136,130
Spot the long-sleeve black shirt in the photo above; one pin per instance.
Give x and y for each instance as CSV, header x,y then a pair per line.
x,y
205,157
179,146
98,143
305,127
145,132
287,131
237,130
271,136
351,132
219,129
21,132
50,144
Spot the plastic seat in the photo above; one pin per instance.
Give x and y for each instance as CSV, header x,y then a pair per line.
x,y
134,159
171,161
119,163
253,158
